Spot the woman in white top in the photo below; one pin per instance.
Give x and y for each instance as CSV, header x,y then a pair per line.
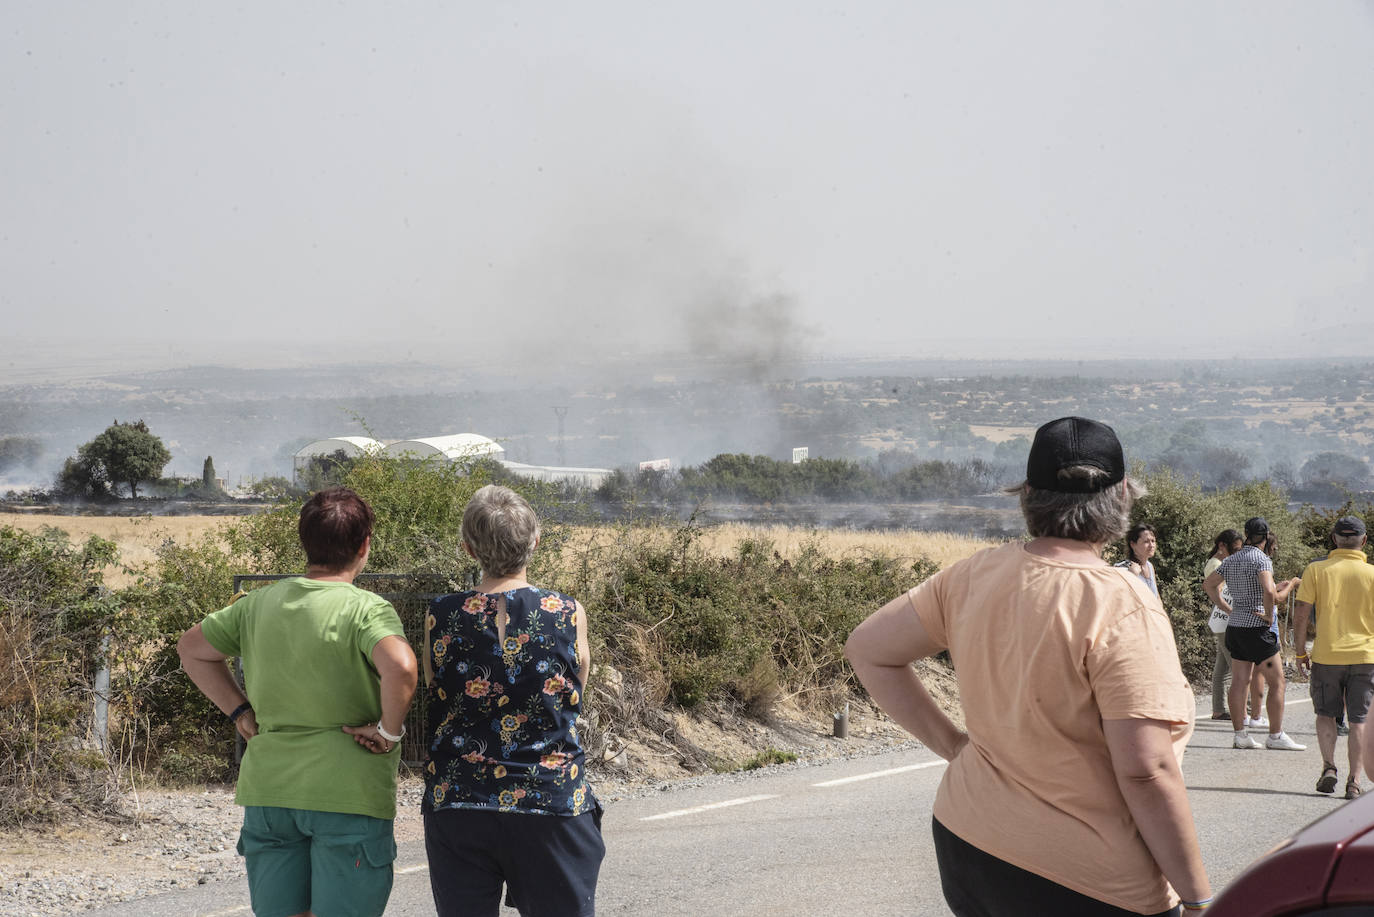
x,y
1225,544
1140,547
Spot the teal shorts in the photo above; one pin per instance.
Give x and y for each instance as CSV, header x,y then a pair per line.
x,y
329,863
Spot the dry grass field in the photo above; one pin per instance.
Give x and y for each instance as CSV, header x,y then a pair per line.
x,y
942,547
139,536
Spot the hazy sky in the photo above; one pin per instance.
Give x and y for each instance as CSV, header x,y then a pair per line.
x,y
188,181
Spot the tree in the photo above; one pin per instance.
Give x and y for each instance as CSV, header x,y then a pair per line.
x,y
125,453
1284,475
80,478
274,487
321,471
1335,469
207,473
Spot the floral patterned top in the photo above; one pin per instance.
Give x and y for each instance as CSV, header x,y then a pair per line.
x,y
502,715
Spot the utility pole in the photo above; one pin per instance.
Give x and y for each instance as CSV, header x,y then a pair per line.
x,y
561,412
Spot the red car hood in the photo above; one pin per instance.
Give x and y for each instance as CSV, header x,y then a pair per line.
x,y
1329,862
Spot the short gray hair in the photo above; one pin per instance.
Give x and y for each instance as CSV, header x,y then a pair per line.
x,y
1096,518
1347,542
501,528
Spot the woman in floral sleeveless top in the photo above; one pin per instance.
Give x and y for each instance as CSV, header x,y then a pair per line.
x,y
506,794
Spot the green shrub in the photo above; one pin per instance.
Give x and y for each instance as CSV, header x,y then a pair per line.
x,y
1316,524
177,768
419,508
53,615
161,711
767,757
744,629
1186,519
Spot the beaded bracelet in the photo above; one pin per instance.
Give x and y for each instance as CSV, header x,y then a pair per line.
x,y
388,736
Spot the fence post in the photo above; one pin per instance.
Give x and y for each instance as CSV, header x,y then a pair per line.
x,y
101,713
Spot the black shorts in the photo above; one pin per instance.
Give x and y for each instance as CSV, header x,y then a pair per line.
x,y
978,884
1251,644
549,863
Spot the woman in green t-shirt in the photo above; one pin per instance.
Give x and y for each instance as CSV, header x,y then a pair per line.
x,y
320,657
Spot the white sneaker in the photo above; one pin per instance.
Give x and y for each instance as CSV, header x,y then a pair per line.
x,y
1243,740
1281,742
1258,722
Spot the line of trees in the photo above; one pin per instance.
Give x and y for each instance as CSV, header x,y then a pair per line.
x,y
126,456
742,478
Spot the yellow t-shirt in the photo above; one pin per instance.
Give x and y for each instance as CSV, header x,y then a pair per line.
x,y
1341,589
1044,651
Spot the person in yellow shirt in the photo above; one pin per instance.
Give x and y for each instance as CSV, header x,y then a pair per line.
x,y
1339,593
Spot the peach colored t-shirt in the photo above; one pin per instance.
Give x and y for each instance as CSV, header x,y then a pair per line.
x,y
1044,651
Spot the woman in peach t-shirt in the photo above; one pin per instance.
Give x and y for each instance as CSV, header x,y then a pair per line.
x,y
1065,794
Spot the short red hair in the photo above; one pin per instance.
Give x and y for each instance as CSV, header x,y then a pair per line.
x,y
334,525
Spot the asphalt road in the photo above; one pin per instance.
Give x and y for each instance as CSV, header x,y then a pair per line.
x,y
846,837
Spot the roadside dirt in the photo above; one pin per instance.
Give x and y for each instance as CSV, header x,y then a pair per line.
x,y
166,838
169,838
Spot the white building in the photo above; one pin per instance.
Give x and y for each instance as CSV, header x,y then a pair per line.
x,y
456,447
588,477
350,446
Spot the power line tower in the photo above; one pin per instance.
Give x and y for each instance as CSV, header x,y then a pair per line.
x,y
561,412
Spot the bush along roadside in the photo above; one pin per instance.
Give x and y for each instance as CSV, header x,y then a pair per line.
x,y
674,624
53,618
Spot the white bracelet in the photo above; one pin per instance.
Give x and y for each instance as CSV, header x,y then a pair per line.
x,y
388,736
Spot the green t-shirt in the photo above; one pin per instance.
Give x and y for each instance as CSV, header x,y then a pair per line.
x,y
307,667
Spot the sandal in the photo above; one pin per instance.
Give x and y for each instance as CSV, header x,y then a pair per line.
x,y
1327,782
1352,789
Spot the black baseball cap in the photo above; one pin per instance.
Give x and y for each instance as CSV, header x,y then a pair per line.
x,y
1071,441
1256,527
1348,525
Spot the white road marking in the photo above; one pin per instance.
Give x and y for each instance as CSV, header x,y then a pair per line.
x,y
409,869
895,770
1286,702
708,807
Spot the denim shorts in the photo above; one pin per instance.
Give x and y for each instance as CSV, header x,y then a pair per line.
x,y
330,863
548,863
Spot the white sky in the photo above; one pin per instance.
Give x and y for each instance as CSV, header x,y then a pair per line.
x,y
183,181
